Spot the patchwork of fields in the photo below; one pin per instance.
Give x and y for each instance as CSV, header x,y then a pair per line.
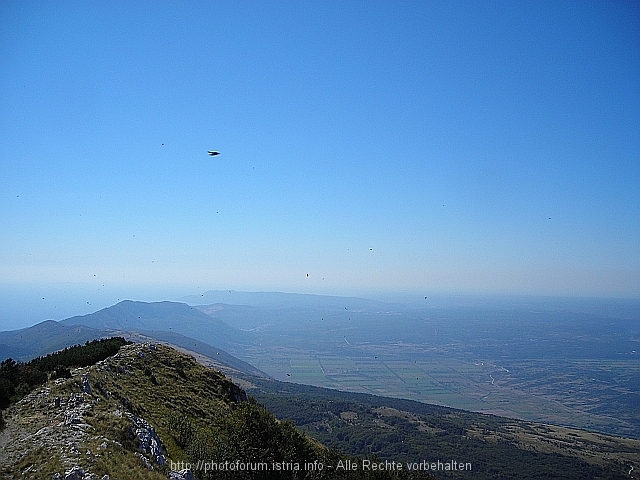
x,y
573,365
541,390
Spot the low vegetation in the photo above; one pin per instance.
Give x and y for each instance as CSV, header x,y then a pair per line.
x,y
200,419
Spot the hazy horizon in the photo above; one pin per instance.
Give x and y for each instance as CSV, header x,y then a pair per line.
x,y
22,308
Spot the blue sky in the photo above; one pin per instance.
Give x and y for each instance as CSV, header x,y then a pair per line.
x,y
379,147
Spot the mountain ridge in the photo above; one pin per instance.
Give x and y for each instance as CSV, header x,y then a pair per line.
x,y
49,336
149,411
129,315
278,299
43,338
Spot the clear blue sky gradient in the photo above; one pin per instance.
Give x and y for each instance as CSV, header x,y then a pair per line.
x,y
462,147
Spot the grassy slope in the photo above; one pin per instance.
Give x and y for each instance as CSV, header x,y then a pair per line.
x,y
44,436
159,384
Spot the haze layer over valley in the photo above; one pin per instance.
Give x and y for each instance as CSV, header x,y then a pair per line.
x,y
575,365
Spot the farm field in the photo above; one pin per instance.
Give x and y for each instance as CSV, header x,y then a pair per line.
x,y
522,390
572,365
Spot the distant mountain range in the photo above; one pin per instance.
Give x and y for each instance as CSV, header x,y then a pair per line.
x,y
168,322
166,316
279,300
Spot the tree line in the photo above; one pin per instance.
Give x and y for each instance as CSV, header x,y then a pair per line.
x,y
17,379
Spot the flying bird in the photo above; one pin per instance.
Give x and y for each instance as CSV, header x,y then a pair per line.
x,y
213,153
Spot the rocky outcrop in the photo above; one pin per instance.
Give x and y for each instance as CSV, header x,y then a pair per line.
x,y
52,422
77,473
69,424
86,388
148,440
181,475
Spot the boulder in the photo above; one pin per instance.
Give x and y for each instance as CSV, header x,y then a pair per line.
x,y
185,474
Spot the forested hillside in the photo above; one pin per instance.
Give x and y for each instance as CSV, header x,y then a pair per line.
x,y
410,432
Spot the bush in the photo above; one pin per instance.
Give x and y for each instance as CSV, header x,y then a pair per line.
x,y
61,372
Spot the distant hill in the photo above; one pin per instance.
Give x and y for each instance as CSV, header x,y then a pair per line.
x,y
160,316
280,299
549,366
136,321
44,338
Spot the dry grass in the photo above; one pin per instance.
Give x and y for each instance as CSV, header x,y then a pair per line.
x,y
151,382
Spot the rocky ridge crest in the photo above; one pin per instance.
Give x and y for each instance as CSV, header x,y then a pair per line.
x,y
87,428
